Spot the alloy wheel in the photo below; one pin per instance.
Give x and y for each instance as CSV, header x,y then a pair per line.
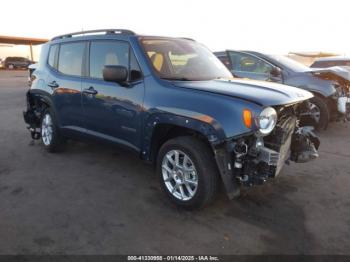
x,y
47,130
179,175
315,112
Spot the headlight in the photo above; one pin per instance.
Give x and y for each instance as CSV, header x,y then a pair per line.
x,y
266,121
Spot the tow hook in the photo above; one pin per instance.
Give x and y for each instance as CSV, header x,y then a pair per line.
x,y
240,149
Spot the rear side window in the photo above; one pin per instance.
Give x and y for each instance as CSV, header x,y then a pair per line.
x,y
107,53
52,55
70,58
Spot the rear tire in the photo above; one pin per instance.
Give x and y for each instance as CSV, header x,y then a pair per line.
x,y
50,134
319,105
192,181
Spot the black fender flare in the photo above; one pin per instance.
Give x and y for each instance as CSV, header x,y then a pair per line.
x,y
203,124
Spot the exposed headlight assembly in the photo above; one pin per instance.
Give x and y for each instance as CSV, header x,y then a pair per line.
x,y
266,121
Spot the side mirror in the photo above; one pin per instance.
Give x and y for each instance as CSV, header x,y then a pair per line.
x,y
135,75
276,72
114,73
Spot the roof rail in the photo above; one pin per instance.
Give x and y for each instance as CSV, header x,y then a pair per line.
x,y
107,31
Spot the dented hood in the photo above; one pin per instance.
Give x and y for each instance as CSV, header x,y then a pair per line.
x,y
336,70
259,92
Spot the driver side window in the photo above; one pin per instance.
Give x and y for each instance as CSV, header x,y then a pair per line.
x,y
247,63
107,53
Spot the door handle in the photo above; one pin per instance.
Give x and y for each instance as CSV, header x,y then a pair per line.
x,y
53,84
91,91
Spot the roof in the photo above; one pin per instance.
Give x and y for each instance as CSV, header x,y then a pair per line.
x,y
238,51
109,33
16,40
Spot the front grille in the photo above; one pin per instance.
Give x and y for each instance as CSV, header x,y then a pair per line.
x,y
282,132
269,156
280,139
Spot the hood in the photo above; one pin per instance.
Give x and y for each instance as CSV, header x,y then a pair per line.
x,y
259,92
336,70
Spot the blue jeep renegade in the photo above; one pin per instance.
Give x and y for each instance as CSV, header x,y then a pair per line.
x,y
171,101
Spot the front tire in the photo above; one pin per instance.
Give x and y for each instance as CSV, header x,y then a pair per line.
x,y
319,112
50,136
187,171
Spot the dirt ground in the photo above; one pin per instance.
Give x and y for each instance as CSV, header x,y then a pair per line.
x,y
95,200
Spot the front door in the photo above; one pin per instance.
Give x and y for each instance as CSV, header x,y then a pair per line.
x,y
248,66
113,111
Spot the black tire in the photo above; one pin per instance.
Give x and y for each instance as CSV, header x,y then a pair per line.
x,y
207,173
56,143
321,104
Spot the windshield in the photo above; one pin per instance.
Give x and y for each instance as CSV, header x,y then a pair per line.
x,y
182,59
290,63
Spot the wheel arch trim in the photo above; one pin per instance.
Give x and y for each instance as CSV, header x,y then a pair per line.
x,y
205,125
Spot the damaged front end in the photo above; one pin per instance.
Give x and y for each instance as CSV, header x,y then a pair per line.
x,y
339,102
253,159
343,106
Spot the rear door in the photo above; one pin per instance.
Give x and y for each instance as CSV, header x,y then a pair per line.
x,y
113,111
65,78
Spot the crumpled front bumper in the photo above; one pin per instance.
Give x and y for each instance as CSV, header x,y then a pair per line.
x,y
343,105
299,145
252,160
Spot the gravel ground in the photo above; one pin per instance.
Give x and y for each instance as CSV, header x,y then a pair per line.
x,y
95,200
